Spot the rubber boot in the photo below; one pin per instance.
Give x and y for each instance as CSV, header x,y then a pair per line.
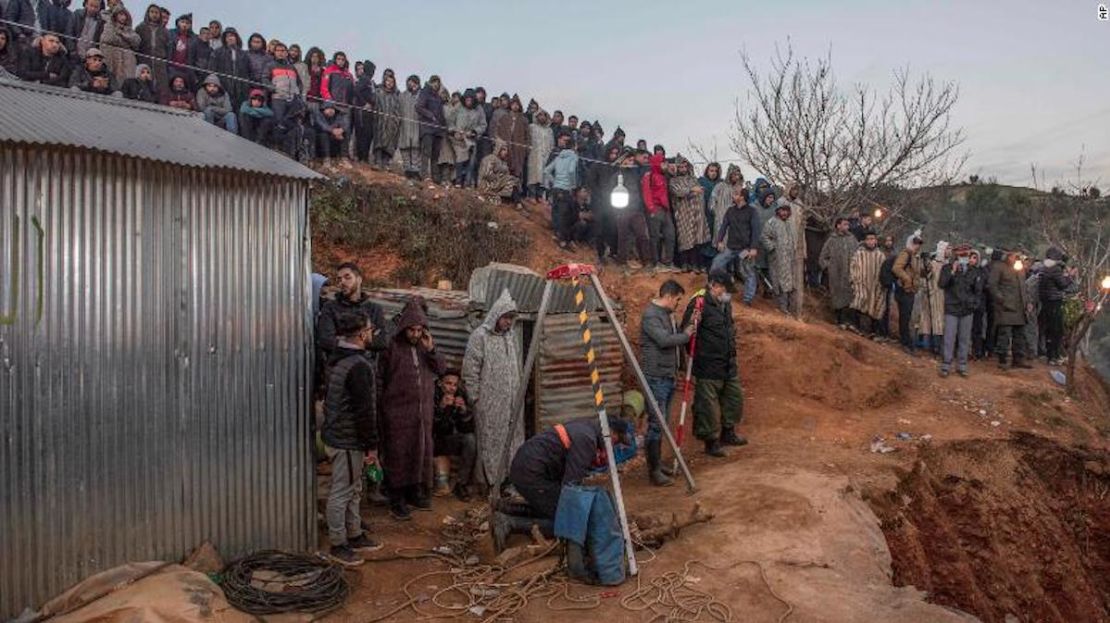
x,y
730,438
713,448
505,526
654,463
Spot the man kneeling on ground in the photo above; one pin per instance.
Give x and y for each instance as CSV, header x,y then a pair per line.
x,y
560,456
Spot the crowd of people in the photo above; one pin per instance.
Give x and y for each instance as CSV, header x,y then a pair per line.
x,y
955,301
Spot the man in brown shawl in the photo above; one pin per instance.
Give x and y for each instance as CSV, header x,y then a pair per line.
x,y
408,372
494,176
688,205
513,129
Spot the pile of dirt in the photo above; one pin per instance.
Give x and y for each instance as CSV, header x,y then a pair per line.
x,y
1017,527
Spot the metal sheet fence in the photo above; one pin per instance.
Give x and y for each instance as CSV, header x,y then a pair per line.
x,y
154,373
563,376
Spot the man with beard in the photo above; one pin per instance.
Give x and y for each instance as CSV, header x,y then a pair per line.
x,y
718,396
350,298
408,370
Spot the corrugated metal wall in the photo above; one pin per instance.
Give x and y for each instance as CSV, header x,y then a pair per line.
x,y
450,319
563,376
153,368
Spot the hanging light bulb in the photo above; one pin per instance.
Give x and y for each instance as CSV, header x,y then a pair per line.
x,y
878,213
619,197
1106,283
1019,265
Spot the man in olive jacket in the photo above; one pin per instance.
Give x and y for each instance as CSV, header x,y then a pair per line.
x,y
1007,287
718,397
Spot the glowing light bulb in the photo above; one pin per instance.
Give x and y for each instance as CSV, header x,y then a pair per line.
x,y
1019,265
619,197
1106,282
878,213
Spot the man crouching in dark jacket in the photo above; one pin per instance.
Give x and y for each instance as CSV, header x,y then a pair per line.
x,y
350,434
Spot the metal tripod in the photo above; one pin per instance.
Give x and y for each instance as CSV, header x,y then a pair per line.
x,y
578,273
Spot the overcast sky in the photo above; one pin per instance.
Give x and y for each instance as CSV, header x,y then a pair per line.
x,y
1034,79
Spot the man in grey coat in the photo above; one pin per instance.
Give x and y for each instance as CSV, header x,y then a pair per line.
x,y
660,352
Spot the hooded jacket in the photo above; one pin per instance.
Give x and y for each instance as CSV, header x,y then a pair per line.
x,y
9,55
140,90
184,95
1007,287
387,123
1055,284
184,45
342,119
543,143
313,77
154,41
407,380
120,45
722,197
34,66
231,60
259,60
336,84
429,110
654,187
469,124
491,372
219,104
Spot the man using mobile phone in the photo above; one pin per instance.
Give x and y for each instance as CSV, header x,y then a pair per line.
x,y
350,435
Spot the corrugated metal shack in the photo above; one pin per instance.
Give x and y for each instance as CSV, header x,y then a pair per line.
x,y
561,385
154,325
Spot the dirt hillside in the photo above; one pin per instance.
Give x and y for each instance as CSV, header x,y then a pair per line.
x,y
993,503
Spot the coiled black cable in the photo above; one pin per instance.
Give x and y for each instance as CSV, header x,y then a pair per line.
x,y
274,582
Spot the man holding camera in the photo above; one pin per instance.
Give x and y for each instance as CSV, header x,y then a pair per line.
x,y
962,284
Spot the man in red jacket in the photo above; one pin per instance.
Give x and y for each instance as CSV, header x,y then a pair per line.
x,y
657,206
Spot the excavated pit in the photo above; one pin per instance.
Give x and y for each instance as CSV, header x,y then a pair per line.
x,y
1017,527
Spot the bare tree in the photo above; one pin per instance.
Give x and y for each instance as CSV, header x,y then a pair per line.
x,y
847,147
1078,223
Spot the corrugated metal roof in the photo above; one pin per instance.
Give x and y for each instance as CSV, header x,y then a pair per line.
x,y
41,115
526,287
